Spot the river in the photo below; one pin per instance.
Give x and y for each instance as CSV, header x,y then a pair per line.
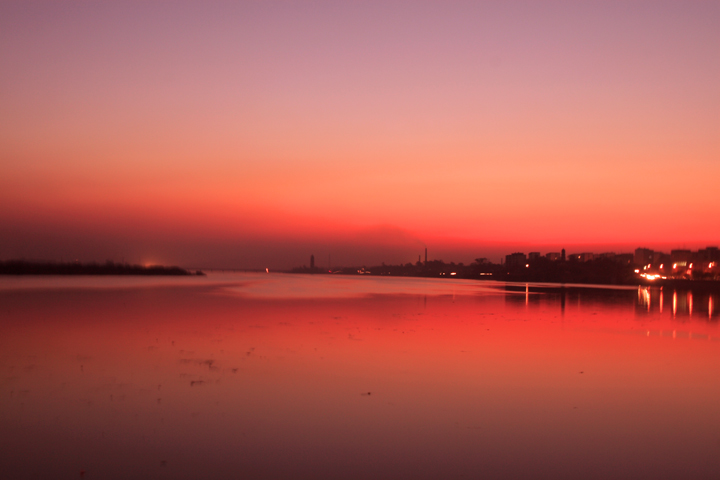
x,y
270,376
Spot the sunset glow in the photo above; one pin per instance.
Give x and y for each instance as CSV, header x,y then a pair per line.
x,y
251,134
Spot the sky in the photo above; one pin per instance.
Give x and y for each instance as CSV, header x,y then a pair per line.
x,y
254,134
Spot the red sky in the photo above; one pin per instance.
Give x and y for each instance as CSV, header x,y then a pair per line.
x,y
252,134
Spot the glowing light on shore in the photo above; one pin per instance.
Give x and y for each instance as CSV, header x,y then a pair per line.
x,y
652,276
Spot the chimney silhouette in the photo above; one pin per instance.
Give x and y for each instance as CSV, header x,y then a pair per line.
x,y
425,255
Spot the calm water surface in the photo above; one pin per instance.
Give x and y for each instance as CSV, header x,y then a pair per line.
x,y
280,376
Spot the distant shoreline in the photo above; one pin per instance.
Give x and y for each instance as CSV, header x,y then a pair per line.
x,y
22,267
603,272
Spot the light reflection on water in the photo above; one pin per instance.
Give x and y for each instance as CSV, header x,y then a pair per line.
x,y
682,304
254,376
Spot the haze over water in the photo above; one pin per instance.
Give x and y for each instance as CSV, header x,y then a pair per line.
x,y
281,376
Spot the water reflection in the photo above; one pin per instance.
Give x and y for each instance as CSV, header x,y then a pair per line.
x,y
435,380
581,297
647,301
685,305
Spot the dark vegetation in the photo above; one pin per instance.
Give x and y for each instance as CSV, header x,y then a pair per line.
x,y
23,267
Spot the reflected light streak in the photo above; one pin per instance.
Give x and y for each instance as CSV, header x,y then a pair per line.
x,y
645,300
527,294
690,303
710,307
674,303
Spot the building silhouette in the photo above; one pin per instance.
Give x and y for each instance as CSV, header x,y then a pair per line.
x,y
643,256
516,259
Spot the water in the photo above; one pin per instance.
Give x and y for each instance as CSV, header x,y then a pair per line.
x,y
280,376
